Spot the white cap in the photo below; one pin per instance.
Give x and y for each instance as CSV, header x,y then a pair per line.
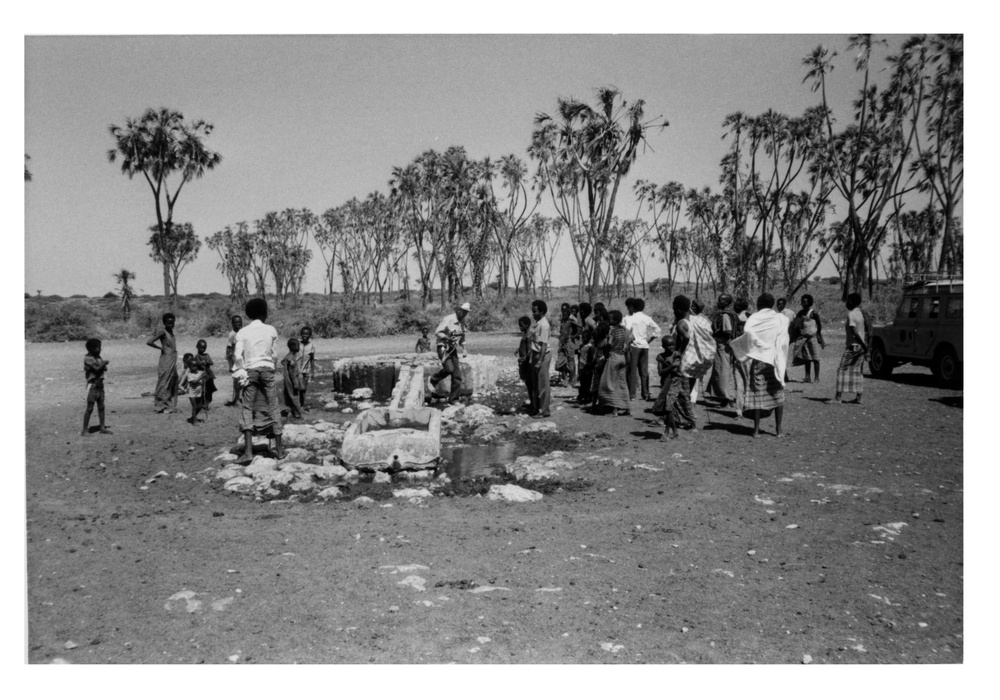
x,y
466,307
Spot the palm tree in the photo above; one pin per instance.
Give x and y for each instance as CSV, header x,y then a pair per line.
x,y
159,144
123,277
583,153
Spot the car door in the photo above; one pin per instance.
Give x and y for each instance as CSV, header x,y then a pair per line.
x,y
900,339
928,321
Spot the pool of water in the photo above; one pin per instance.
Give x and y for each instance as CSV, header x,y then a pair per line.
x,y
476,460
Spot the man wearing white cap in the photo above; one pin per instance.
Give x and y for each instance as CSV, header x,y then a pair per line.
x,y
450,336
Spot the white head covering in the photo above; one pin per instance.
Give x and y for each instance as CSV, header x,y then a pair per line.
x,y
765,338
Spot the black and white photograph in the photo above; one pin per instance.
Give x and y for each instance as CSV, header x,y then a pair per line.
x,y
485,347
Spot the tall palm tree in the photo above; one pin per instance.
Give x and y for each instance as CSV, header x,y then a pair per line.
x,y
159,145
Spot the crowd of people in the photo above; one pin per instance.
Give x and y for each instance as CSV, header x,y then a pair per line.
x,y
737,359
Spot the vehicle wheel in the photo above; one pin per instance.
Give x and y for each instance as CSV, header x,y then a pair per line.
x,y
880,363
947,368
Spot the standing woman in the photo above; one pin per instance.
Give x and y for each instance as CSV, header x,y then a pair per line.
x,y
807,327
540,357
613,389
764,346
165,400
849,376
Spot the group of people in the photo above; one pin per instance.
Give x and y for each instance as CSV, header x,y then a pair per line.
x,y
738,359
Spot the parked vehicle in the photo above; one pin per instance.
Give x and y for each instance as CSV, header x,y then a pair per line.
x,y
927,330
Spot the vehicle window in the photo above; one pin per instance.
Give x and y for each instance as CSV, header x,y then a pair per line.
x,y
953,308
931,307
914,305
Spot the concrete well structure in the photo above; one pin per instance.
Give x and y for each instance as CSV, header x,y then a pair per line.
x,y
381,373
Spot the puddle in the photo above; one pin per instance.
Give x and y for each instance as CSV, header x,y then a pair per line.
x,y
476,460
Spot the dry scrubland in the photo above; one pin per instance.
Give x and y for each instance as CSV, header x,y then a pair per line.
x,y
57,319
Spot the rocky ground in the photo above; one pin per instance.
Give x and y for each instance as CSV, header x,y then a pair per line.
x,y
841,542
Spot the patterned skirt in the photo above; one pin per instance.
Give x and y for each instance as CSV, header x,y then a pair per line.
x,y
613,390
764,392
849,376
802,351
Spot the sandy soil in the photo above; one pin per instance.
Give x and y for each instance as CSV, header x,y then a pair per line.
x,y
841,541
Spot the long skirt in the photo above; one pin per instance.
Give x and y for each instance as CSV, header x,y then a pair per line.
x,y
849,376
598,373
803,350
165,395
764,392
613,389
722,380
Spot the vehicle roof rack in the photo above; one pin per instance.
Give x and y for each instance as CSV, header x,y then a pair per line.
x,y
916,280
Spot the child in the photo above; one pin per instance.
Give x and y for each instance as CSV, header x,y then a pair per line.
x,y
206,360
588,358
523,354
307,362
254,367
423,342
165,400
668,366
93,370
237,322
292,367
193,382
569,342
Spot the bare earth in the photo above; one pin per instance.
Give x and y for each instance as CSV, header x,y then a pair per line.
x,y
841,541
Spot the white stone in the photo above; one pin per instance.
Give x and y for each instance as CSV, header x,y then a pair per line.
x,y
256,470
365,405
229,473
296,467
417,582
329,492
411,493
450,412
296,454
329,471
476,414
347,410
330,405
226,457
382,478
362,393
302,485
544,426
265,462
417,475
512,493
239,483
275,477
364,501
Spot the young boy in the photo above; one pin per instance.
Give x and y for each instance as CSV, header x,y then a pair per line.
x,y
307,362
237,322
668,366
588,358
292,368
93,370
206,360
423,342
165,400
192,381
523,354
256,360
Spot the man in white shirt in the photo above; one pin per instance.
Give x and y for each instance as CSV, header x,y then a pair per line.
x,y
254,365
450,336
539,335
644,329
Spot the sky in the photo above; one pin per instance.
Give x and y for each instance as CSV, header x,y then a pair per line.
x,y
311,121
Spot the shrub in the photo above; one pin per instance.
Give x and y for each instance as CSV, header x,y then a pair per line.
x,y
410,318
110,295
484,317
72,321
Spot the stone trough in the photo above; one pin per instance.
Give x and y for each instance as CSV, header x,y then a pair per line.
x,y
386,439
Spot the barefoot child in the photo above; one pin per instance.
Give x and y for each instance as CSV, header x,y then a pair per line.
x,y
668,366
292,385
93,370
307,362
192,381
206,361
523,354
256,360
423,342
165,400
237,322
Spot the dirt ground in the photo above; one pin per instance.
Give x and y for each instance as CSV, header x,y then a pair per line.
x,y
841,542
